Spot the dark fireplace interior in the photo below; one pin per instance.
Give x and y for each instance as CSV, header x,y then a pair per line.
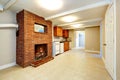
x,y
40,51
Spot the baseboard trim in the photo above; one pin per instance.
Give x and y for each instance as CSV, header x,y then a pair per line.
x,y
80,48
92,51
109,70
7,65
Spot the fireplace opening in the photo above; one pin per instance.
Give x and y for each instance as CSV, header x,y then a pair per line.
x,y
40,51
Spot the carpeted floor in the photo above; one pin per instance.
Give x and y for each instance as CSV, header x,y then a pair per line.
x,y
71,65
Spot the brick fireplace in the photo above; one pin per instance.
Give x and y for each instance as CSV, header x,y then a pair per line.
x,y
33,48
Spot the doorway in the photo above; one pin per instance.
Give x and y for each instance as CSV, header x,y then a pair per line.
x,y
80,39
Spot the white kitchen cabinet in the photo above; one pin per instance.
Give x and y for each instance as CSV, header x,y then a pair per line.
x,y
56,48
61,47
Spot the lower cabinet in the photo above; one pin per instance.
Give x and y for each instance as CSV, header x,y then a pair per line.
x,y
66,46
56,48
61,47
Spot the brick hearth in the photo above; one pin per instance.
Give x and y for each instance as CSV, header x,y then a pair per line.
x,y
27,38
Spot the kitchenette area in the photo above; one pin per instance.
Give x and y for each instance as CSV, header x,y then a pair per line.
x,y
61,40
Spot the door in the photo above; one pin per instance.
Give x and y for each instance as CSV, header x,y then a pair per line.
x,y
109,31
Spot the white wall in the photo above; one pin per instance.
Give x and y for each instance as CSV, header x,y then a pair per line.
x,y
7,39
7,17
7,46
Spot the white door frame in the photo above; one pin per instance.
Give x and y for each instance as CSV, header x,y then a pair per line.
x,y
101,42
114,3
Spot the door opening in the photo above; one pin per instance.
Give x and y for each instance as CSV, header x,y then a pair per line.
x,y
80,39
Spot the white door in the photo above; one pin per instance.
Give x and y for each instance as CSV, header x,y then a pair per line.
x,y
109,31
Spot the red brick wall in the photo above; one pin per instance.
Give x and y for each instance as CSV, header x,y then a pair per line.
x,y
28,38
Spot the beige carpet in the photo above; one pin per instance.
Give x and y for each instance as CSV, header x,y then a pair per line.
x,y
72,65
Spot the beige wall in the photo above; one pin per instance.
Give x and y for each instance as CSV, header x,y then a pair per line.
x,y
7,46
92,39
103,37
118,38
72,36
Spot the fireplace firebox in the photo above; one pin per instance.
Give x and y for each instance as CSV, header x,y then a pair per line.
x,y
40,51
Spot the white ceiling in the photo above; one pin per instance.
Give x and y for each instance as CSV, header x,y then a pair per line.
x,y
84,10
3,2
93,13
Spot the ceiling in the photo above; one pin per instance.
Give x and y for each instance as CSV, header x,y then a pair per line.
x,y
93,13
88,12
3,2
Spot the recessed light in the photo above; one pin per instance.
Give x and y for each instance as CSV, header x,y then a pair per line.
x,y
76,25
51,4
69,18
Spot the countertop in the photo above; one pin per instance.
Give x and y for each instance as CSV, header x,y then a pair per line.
x,y
61,41
64,41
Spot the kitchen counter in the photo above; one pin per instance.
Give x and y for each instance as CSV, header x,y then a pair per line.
x,y
61,41
64,41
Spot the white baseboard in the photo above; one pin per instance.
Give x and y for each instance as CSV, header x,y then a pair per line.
x,y
92,51
78,48
108,68
7,65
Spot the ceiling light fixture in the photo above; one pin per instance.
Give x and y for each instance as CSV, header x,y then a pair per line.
x,y
51,4
77,25
69,18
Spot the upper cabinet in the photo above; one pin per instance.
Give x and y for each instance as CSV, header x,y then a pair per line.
x,y
58,31
66,33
